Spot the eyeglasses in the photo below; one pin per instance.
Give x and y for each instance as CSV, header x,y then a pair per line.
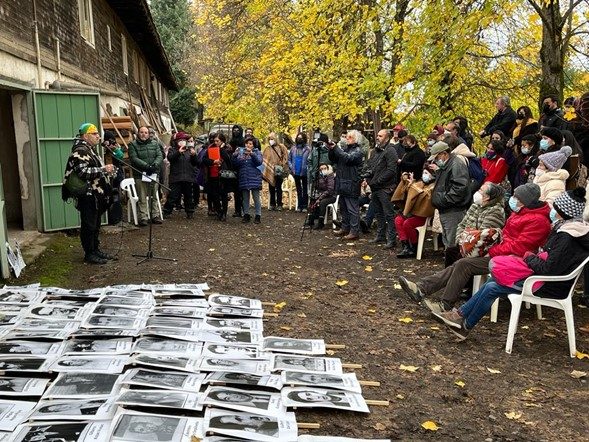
x,y
94,133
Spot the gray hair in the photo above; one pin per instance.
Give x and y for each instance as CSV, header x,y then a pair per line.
x,y
356,135
494,190
505,100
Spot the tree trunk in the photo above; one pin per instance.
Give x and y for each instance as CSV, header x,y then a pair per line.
x,y
552,52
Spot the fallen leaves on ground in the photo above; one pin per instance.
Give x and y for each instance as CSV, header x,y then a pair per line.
x,y
379,427
397,286
341,282
406,320
430,425
372,311
461,384
409,368
436,368
278,307
368,269
285,328
302,315
581,355
212,250
493,371
578,374
367,258
513,415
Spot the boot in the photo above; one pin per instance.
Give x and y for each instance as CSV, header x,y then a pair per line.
x,y
246,218
320,224
409,251
404,249
310,221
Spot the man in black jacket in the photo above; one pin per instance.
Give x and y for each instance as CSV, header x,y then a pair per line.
x,y
347,183
381,168
552,115
504,119
451,195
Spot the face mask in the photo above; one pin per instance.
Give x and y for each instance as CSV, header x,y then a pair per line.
x,y
544,144
272,142
426,177
553,215
299,141
522,115
182,143
540,172
190,144
477,198
431,142
440,163
490,154
323,173
545,107
513,204
447,132
525,150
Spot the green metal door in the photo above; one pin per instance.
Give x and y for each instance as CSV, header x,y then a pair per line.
x,y
58,115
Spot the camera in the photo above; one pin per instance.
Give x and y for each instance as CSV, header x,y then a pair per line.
x,y
366,174
319,144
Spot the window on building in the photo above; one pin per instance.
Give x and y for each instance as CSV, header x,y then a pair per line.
x,y
108,37
125,56
86,20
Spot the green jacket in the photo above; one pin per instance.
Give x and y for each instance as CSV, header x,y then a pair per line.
x,y
143,154
315,158
483,217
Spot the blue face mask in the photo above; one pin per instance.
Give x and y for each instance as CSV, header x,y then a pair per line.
x,y
513,204
553,215
544,144
426,178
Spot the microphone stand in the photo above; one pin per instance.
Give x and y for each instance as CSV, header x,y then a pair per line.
x,y
152,182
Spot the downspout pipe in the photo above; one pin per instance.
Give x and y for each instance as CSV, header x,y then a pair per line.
x,y
37,47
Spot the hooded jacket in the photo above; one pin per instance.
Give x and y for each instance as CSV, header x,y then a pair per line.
x,y
551,184
524,231
491,215
452,193
299,150
567,247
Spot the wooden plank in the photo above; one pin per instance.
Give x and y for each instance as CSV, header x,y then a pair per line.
x,y
335,346
352,366
369,383
377,403
309,425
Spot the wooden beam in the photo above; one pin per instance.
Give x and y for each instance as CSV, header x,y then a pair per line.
x,y
308,425
335,346
377,403
369,383
352,366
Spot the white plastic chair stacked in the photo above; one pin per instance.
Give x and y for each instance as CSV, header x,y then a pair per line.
x,y
128,185
333,209
565,305
421,231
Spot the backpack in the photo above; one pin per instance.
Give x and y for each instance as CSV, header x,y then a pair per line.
x,y
476,173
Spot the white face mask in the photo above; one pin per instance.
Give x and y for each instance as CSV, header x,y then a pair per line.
x,y
182,143
477,198
272,142
540,172
190,144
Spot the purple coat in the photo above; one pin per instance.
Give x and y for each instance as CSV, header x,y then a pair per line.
x,y
248,169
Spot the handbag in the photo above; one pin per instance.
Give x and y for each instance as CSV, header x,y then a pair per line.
x,y
75,185
476,243
280,171
509,269
227,174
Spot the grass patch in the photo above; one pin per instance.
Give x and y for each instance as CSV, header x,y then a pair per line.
x,y
54,267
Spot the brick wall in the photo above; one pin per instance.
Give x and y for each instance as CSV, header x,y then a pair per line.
x,y
60,19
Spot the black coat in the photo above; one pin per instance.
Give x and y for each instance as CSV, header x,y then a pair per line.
x,y
413,161
451,192
383,165
565,253
554,118
181,165
503,121
349,162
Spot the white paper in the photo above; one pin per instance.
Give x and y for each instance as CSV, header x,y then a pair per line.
x,y
296,346
75,409
234,324
239,312
144,301
228,378
13,413
307,364
166,380
199,303
231,336
346,381
17,364
133,426
233,351
235,366
10,386
101,321
31,348
90,364
42,324
64,431
148,178
83,385
181,311
167,346
119,311
99,346
167,361
20,297
251,426
58,312
161,398
250,401
309,397
173,333
181,323
217,300
177,292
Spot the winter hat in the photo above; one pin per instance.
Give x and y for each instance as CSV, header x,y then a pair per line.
x,y
109,136
87,128
181,136
398,127
439,129
438,147
553,133
570,204
555,160
527,194
402,134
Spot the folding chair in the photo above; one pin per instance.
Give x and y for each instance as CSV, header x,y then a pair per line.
x,y
421,231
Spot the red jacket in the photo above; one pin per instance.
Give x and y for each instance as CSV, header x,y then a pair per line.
x,y
524,231
495,169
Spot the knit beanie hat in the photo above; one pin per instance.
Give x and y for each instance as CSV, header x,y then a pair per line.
x,y
527,194
570,204
553,133
555,160
181,136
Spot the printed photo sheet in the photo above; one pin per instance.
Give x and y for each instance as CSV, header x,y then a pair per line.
x,y
323,398
167,361
218,300
12,386
161,398
83,385
91,364
233,351
33,348
180,311
119,311
75,409
37,364
20,297
251,401
232,311
13,413
251,426
234,324
166,380
235,365
226,378
117,322
98,346
346,381
133,426
308,364
58,312
63,432
296,346
167,346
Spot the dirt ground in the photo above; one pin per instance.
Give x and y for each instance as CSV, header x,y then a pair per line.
x,y
472,390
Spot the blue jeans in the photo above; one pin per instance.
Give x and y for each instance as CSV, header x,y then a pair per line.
x,y
246,201
480,303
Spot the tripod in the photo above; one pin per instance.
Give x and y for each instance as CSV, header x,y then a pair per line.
x,y
149,254
317,148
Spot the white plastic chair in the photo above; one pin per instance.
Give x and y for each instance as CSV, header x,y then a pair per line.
x,y
566,305
333,208
421,231
159,204
288,187
128,185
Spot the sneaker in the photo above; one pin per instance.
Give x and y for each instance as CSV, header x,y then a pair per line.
x,y
451,318
462,332
257,219
246,219
279,208
341,232
351,237
436,307
105,255
156,221
94,259
304,210
411,289
143,223
337,223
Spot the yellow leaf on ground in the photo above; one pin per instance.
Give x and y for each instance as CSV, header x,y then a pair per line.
x,y
409,368
461,384
368,269
330,352
436,367
371,310
302,315
341,282
212,250
513,415
264,274
380,427
397,287
582,355
578,374
434,327
400,397
493,371
278,307
406,320
367,258
286,328
430,425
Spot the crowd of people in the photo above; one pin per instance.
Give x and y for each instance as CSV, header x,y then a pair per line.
x,y
520,197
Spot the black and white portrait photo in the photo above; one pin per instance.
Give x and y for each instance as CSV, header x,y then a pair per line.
x,y
29,348
235,365
231,351
160,398
22,386
162,345
316,397
99,346
187,312
310,364
346,381
234,323
140,427
125,302
74,409
82,385
234,301
125,312
90,363
270,381
60,312
166,380
64,432
232,311
257,402
24,364
250,426
290,345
